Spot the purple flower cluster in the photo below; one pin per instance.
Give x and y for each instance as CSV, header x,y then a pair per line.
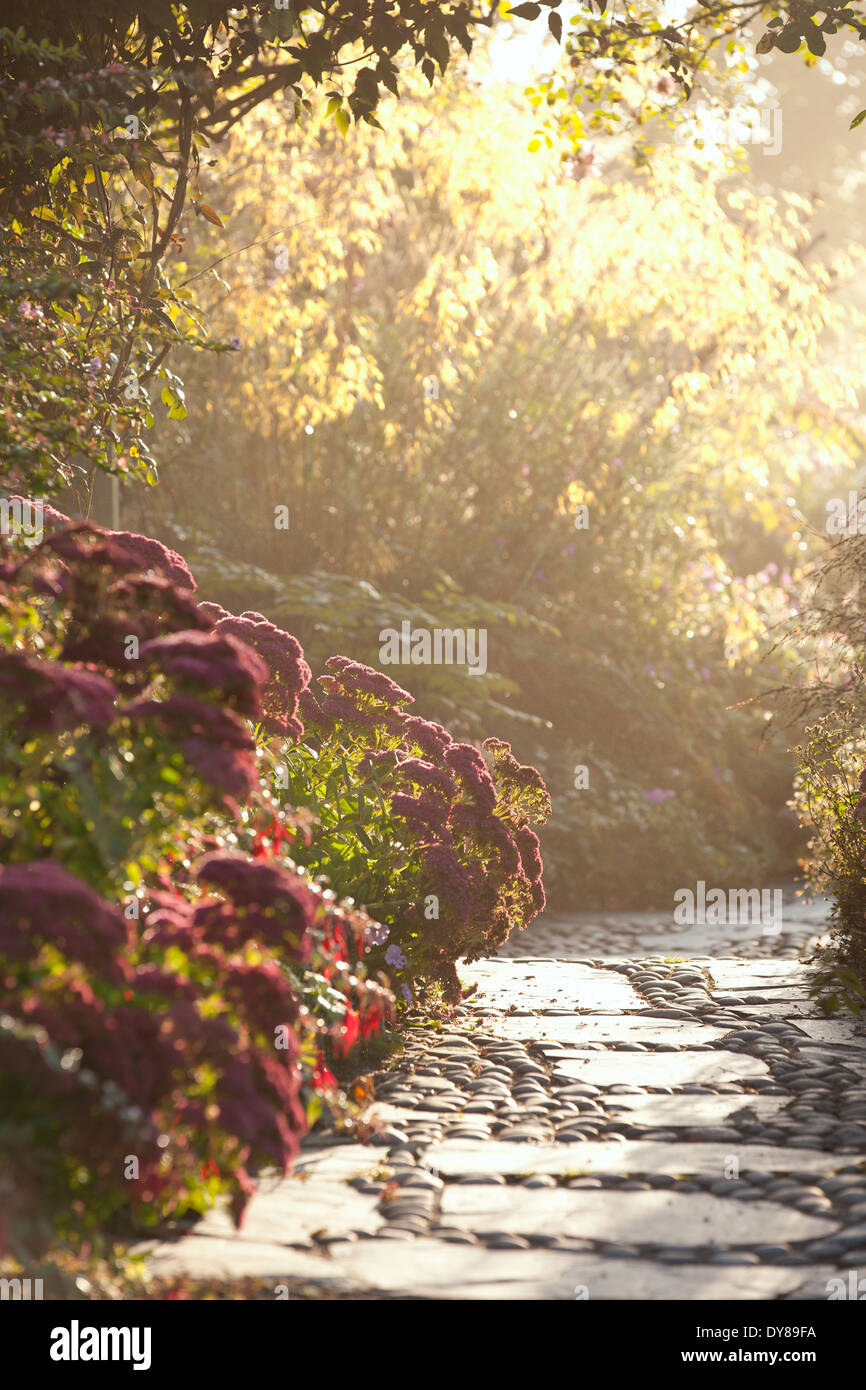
x,y
356,679
216,742
531,863
212,660
470,767
426,774
48,696
142,1063
41,902
287,673
268,905
150,555
104,594
309,708
452,883
427,813
431,738
120,550
104,611
341,709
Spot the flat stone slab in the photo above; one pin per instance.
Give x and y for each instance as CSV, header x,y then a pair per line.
x,y
464,1158
753,975
663,1111
853,1057
782,993
292,1211
427,1268
343,1161
206,1257
844,1030
704,941
605,1028
435,1269
660,1068
659,1217
548,985
776,1011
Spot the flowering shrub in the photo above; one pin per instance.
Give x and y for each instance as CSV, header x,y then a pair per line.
x,y
162,1034
150,1072
114,691
418,827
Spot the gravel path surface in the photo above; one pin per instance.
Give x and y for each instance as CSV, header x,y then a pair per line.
x,y
621,1111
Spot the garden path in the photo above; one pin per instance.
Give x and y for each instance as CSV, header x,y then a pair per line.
x,y
622,1110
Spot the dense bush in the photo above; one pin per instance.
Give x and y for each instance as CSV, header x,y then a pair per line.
x,y
829,699
405,820
87,317
416,826
160,1031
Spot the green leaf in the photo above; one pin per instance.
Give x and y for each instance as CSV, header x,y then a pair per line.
x,y
858,120
789,39
343,120
815,40
364,838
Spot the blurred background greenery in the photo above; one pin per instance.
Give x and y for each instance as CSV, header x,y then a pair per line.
x,y
591,407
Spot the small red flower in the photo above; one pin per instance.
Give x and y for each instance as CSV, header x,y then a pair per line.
x,y
323,1078
351,1029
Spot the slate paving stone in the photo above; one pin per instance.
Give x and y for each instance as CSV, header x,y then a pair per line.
x,y
689,1109
742,974
545,983
628,1217
647,1069
432,1269
456,1158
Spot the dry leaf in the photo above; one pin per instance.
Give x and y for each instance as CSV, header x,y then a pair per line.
x,y
202,210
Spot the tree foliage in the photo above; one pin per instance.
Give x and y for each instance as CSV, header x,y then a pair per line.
x,y
609,476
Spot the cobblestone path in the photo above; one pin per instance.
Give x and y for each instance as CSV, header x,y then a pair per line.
x,y
621,1111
